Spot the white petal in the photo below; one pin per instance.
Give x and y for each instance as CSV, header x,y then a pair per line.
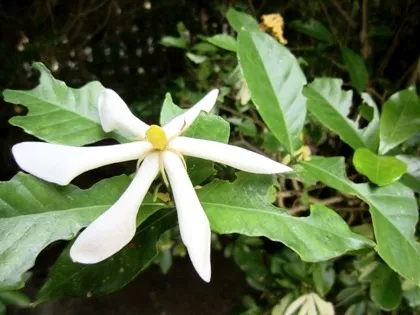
x,y
193,222
182,122
114,229
115,115
236,157
59,164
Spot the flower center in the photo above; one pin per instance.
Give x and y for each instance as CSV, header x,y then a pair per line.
x,y
157,137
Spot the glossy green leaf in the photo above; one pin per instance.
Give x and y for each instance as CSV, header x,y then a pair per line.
x,y
412,177
244,207
241,21
331,105
2,309
206,126
224,41
72,279
400,119
34,213
385,288
59,114
381,170
275,81
393,209
356,67
313,28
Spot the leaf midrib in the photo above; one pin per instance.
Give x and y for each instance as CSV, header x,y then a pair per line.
x,y
279,214
289,139
54,104
66,211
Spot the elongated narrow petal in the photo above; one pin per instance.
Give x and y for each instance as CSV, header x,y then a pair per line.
x,y
115,115
193,222
116,227
236,157
182,122
59,164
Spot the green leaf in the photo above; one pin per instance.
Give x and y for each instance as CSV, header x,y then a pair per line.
x,y
275,80
223,41
385,289
206,126
412,177
331,106
34,213
204,48
59,114
371,132
252,262
381,170
323,276
281,307
2,309
356,67
411,293
244,125
244,207
169,110
356,309
197,59
313,28
270,143
14,298
400,119
393,209
170,41
241,21
72,279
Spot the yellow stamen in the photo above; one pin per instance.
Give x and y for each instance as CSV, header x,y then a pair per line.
x,y
157,137
179,155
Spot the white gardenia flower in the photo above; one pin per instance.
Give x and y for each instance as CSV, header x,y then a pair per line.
x,y
161,149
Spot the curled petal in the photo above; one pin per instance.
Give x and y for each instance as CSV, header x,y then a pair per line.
x,y
193,222
59,164
115,115
114,229
236,157
182,122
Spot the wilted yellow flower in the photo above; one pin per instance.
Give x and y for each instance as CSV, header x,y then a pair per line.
x,y
275,23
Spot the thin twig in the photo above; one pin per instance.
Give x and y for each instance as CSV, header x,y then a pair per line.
x,y
248,145
395,42
364,39
340,9
238,113
330,24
